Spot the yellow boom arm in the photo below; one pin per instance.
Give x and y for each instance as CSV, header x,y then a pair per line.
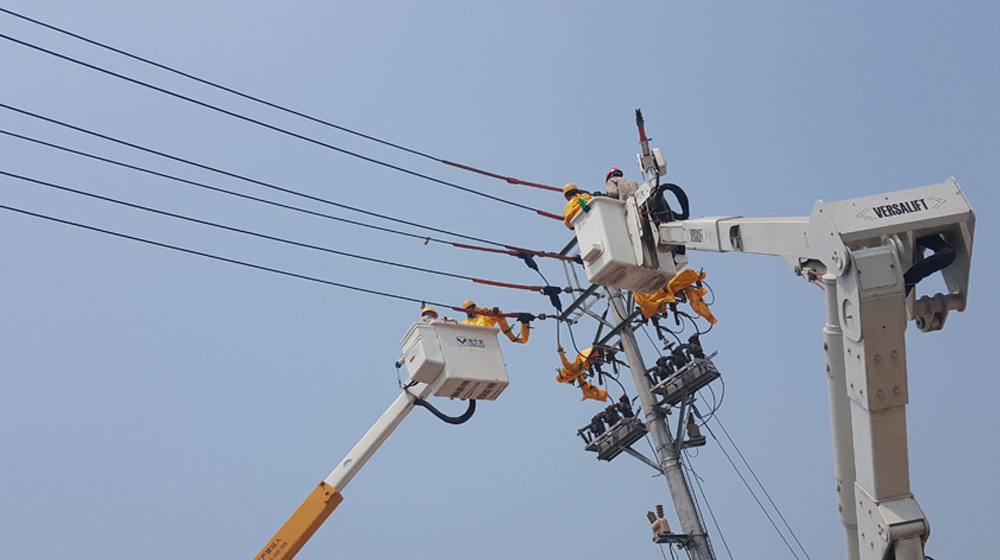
x,y
300,527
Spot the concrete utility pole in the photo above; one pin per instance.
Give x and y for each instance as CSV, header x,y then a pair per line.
x,y
699,546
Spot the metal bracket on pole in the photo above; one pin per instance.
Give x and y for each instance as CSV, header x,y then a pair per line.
x,y
643,459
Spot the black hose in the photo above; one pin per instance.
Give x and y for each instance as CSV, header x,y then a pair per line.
x,y
682,198
942,258
449,419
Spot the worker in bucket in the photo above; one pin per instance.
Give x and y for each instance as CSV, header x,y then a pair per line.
x,y
618,187
428,314
576,200
476,317
576,371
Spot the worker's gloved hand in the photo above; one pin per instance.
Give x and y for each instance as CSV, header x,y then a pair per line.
x,y
526,317
597,193
496,310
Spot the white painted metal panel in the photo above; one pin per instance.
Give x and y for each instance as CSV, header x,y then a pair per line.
x,y
422,353
458,361
608,253
474,366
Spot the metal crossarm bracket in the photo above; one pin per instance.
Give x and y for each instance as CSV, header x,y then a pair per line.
x,y
693,376
617,438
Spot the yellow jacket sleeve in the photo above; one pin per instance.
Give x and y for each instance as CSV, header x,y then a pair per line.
x,y
571,370
573,208
525,333
566,363
509,331
481,320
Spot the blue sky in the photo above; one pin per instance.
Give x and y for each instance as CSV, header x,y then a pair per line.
x,y
155,403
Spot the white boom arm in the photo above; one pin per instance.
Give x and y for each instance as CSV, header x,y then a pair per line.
x,y
862,250
444,359
376,436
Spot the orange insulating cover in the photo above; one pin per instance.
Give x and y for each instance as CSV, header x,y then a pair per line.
x,y
299,528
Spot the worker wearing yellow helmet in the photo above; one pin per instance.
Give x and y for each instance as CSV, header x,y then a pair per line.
x,y
576,200
476,317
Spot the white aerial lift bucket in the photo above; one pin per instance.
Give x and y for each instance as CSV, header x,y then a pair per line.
x,y
614,252
456,360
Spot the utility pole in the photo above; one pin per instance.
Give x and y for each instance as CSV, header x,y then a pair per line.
x,y
698,546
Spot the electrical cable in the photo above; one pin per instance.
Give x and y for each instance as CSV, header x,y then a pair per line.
x,y
653,450
221,258
752,493
672,333
719,422
266,103
240,177
697,481
572,338
269,237
711,291
507,249
697,330
615,379
686,473
422,302
655,346
716,402
229,192
279,129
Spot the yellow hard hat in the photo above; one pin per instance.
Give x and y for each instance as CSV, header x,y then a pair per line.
x,y
569,188
588,352
468,303
427,310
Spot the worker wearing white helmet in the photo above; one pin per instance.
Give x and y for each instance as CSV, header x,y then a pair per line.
x,y
428,314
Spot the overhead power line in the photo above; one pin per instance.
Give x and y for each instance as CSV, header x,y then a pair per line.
x,y
754,494
275,128
217,257
269,237
256,266
240,177
264,102
507,248
759,483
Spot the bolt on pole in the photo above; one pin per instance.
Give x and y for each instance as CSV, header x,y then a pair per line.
x,y
699,546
